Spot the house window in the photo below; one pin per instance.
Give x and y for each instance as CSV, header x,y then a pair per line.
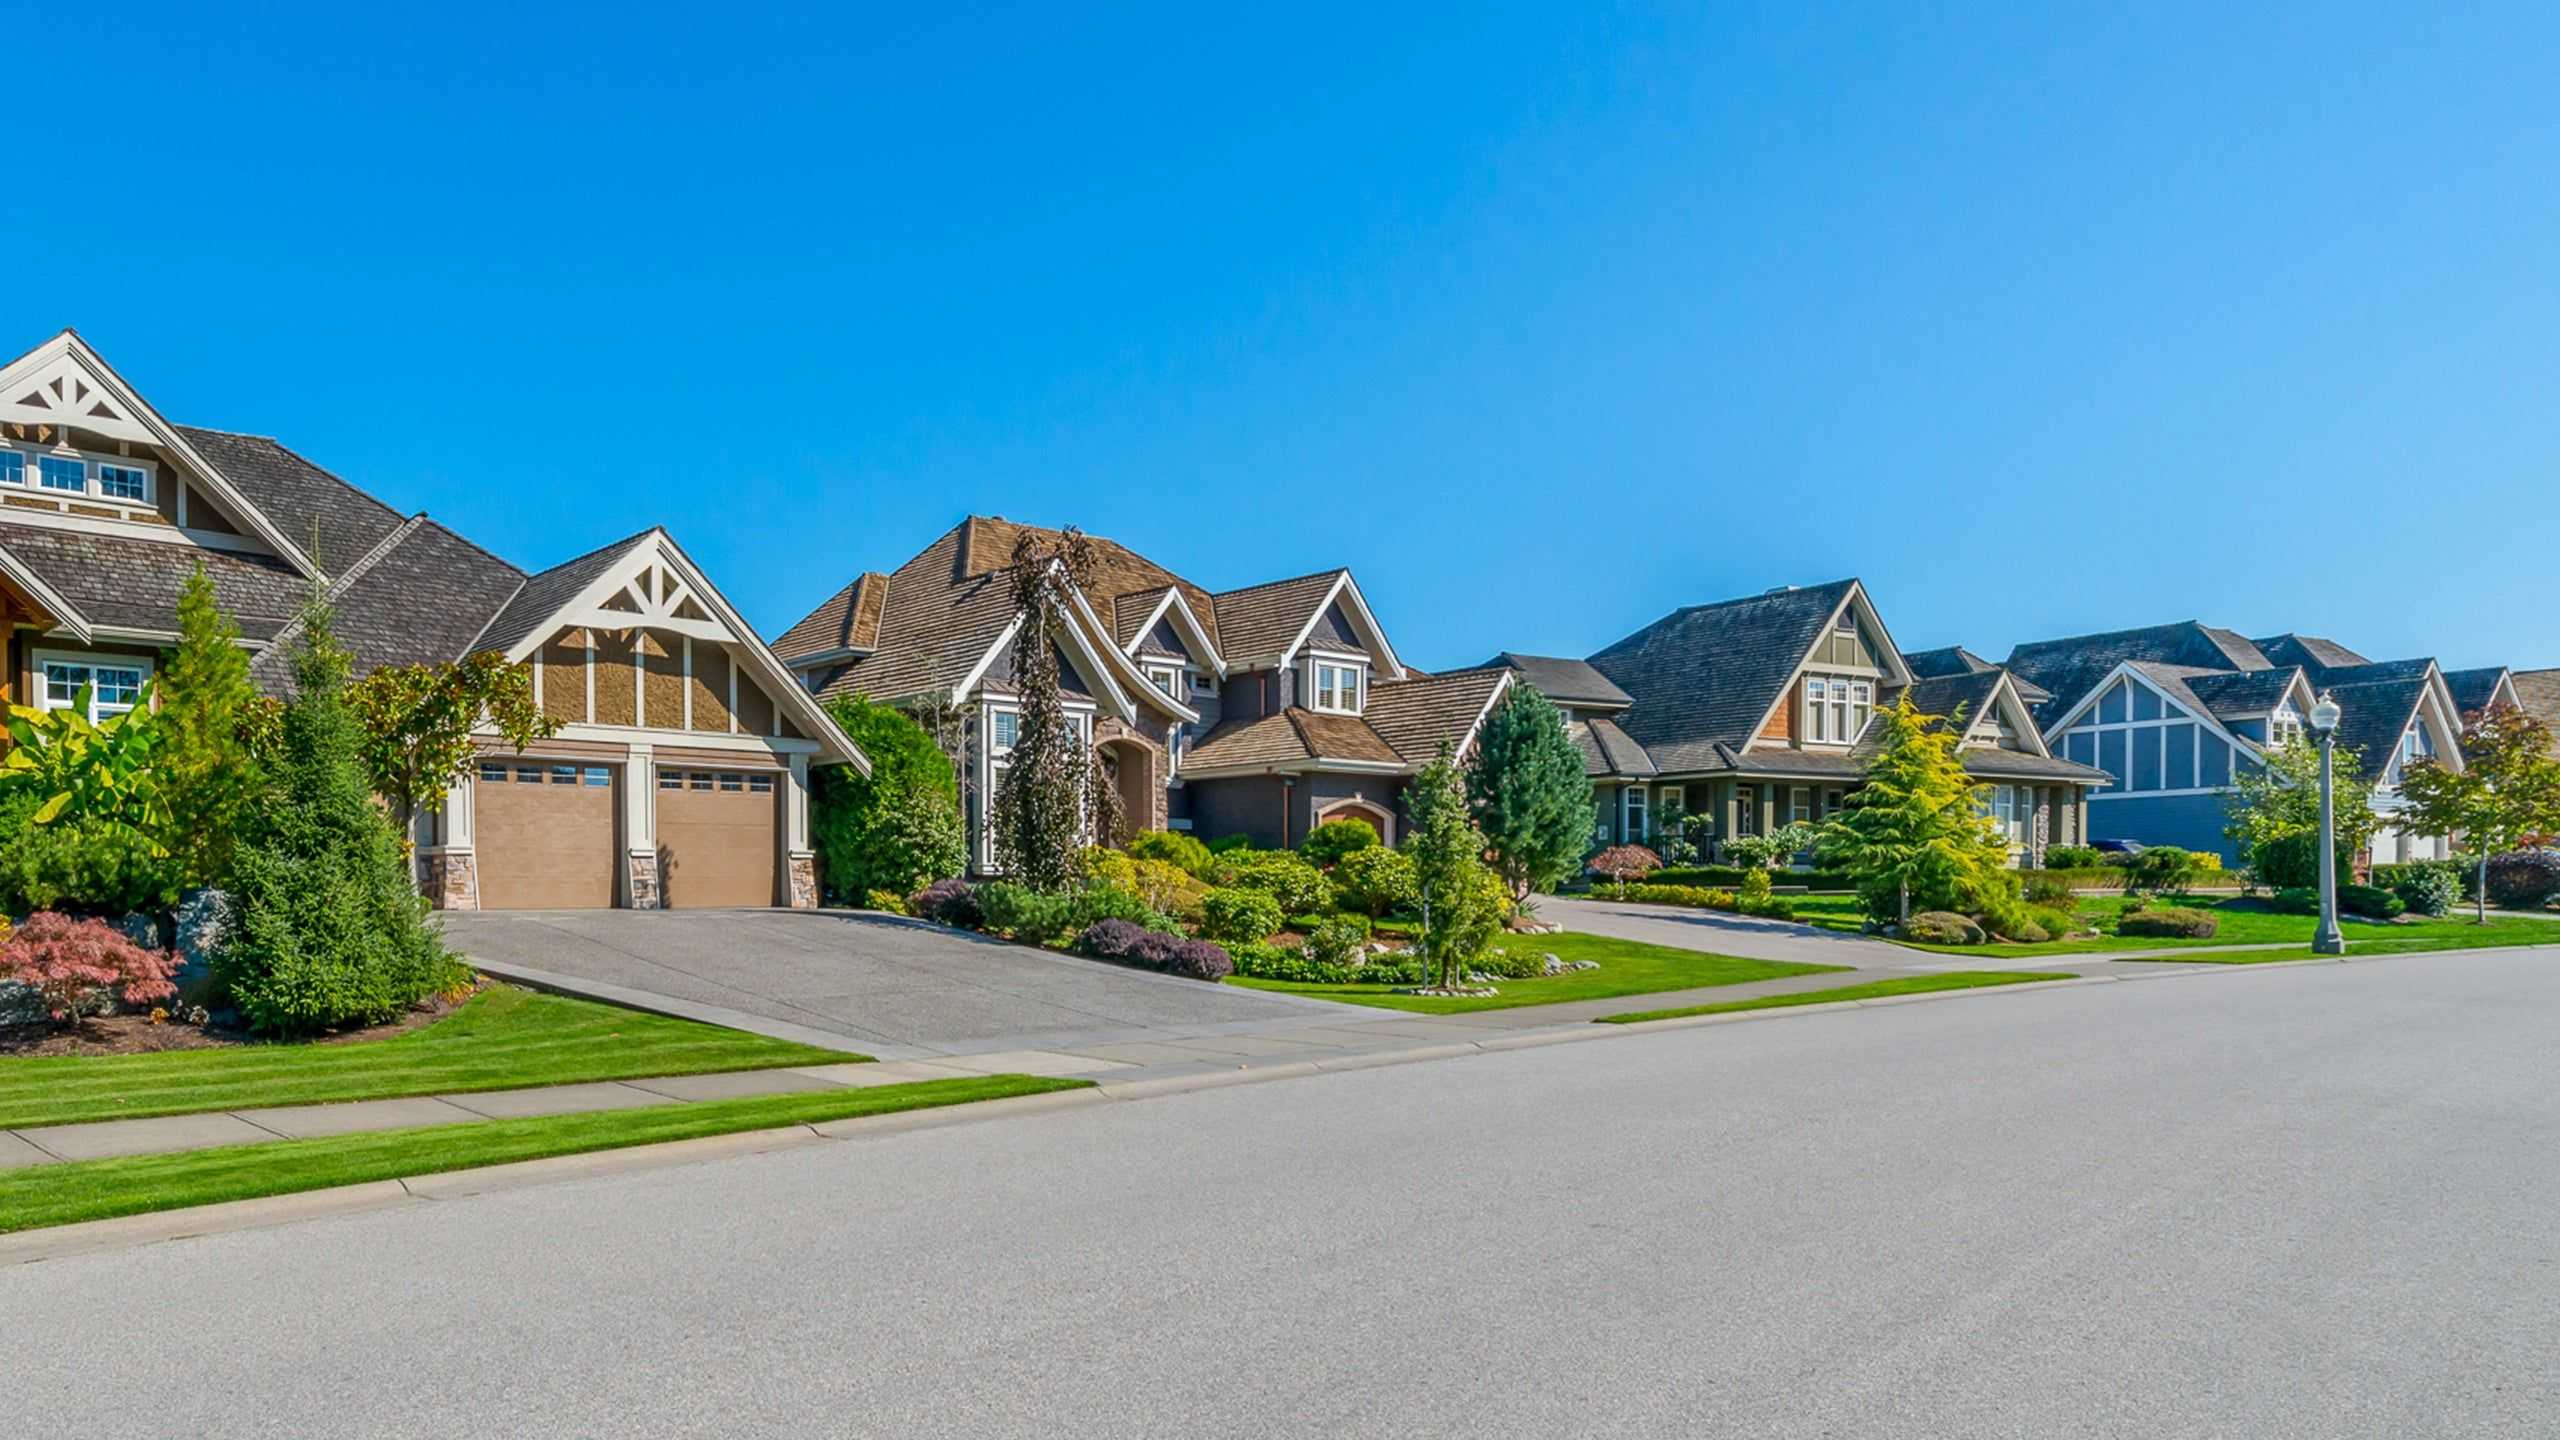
x,y
62,472
1337,687
124,482
492,774
1635,812
1202,683
13,468
1836,708
2414,745
1004,727
1746,811
115,683
2284,727
1800,806
1166,678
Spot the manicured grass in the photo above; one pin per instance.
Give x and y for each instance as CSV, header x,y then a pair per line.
x,y
2244,922
1627,967
501,1039
1873,990
40,1195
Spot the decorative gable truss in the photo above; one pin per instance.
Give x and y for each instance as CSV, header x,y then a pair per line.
x,y
1175,611
648,643
2130,726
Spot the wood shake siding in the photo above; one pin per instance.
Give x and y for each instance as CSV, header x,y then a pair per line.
x,y
564,677
617,681
710,688
662,705
1782,721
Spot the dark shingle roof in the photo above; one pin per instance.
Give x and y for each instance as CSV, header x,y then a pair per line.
x,y
1991,763
2227,695
1943,694
2473,689
2372,717
1705,675
1260,620
1956,660
542,594
1568,682
2068,668
131,582
300,498
2314,654
1610,751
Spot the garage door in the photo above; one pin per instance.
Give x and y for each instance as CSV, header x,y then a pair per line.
x,y
545,835
718,843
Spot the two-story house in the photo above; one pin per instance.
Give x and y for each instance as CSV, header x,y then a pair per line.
x,y
1757,712
680,773
2176,714
1261,711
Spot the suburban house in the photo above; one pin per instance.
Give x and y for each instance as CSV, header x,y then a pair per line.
x,y
1749,714
679,776
1262,711
2175,714
2538,691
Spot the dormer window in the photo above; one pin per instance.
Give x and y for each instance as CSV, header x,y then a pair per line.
x,y
63,472
124,482
1337,687
2414,745
1836,708
1166,678
13,467
2284,727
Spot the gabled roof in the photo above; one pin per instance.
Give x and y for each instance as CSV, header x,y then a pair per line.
x,y
1131,612
1259,622
2473,690
847,624
1294,739
332,520
1567,682
1944,694
1415,716
133,583
1956,660
2069,668
2538,693
422,595
2313,653
2227,695
1608,751
1704,676
544,593
2372,717
986,545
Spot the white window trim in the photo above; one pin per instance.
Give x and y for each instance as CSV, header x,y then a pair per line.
x,y
1168,679
1848,708
89,461
44,688
1317,664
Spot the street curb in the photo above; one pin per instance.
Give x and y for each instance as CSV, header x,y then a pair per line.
x,y
131,1231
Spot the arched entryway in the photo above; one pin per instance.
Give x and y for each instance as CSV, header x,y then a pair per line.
x,y
1368,813
1132,766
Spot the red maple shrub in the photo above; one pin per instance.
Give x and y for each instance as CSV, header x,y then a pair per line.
x,y
65,961
1624,862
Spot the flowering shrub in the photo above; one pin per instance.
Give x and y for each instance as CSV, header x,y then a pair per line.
x,y
1133,944
66,961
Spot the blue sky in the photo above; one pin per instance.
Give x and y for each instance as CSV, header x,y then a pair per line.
x,y
1545,319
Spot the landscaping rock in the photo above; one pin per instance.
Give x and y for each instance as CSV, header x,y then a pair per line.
x,y
199,931
141,929
21,1005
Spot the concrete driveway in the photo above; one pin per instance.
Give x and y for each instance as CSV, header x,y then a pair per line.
x,y
1724,934
898,989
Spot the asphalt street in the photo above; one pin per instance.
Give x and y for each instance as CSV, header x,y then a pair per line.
x,y
2312,1201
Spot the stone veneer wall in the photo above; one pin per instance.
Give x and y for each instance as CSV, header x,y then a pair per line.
x,y
451,881
804,882
645,894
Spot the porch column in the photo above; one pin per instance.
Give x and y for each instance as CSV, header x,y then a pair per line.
x,y
448,869
799,861
641,888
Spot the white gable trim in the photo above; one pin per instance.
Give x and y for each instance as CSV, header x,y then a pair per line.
x,y
1112,665
1187,624
29,369
65,614
1501,688
2127,669
968,683
1346,588
2006,700
1896,674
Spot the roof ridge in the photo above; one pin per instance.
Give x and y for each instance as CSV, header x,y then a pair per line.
x,y
482,633
1269,584
307,463
338,587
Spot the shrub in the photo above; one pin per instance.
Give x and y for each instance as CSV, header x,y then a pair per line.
x,y
1198,960
2425,889
2040,888
1133,944
1754,889
1096,903
2160,870
1025,913
2293,862
2524,879
1698,896
1377,880
2057,924
1114,939
2073,857
2296,900
887,900
1943,927
2175,922
1505,963
1180,851
1339,939
66,962
2370,901
2015,920
897,827
1285,877
948,902
1329,842
1622,863
323,925
1161,886
1230,845
1725,876
96,865
1237,916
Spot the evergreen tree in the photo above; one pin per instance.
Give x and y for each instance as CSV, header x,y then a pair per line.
x,y
1531,794
209,779
896,828
2507,790
321,927
1912,829
1053,792
1450,879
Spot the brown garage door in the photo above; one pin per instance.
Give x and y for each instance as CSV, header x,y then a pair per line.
x,y
717,841
545,835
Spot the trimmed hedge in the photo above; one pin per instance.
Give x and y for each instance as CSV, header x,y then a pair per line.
x,y
1943,927
1698,897
2371,901
2173,922
1728,877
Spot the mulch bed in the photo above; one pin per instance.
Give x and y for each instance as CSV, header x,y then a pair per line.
x,y
138,1035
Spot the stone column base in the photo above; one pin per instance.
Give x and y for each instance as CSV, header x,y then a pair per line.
x,y
451,880
645,894
803,871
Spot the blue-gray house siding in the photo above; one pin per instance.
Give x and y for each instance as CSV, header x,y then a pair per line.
x,y
2171,771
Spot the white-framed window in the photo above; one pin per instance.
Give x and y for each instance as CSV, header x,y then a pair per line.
x,y
2013,809
1337,687
1004,727
1800,805
115,681
2283,727
1836,708
1635,820
13,467
1166,678
105,477
63,472
118,481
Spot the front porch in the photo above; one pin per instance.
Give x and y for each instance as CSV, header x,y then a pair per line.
x,y
1715,812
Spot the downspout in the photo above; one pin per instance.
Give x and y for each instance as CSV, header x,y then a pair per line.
x,y
1288,789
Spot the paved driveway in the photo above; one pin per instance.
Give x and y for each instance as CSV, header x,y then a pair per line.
x,y
899,989
1724,934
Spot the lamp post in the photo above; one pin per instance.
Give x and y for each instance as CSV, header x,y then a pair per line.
x,y
2327,940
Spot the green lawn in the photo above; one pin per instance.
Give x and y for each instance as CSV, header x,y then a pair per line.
x,y
39,1195
1627,967
500,1039
2244,922
1873,990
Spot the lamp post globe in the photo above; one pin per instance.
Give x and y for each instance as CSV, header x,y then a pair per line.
x,y
2328,939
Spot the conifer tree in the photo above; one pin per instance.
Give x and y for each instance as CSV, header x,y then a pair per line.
x,y
1531,793
206,770
1912,828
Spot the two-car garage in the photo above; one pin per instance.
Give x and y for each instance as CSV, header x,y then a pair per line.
x,y
549,833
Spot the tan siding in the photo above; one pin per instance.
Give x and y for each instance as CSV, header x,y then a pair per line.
x,y
202,516
790,730
755,708
664,707
617,696
564,677
710,687
1782,722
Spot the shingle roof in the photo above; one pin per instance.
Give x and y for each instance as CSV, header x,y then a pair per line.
x,y
2311,652
2369,672
1414,716
2068,668
1705,675
2371,718
937,621
1259,621
1943,694
1569,682
1294,737
1610,751
986,545
2226,695
543,593
1992,763
132,582
1956,660
847,620
1129,612
330,520
2474,689
2538,691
